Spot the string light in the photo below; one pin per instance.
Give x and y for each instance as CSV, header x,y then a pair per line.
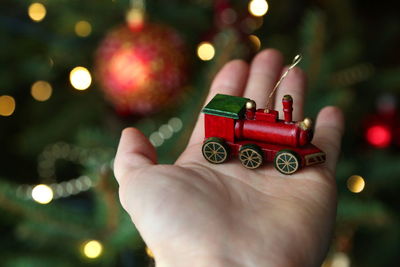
x,y
353,75
176,124
37,12
80,78
355,183
165,132
92,249
42,194
205,51
41,91
7,105
47,170
83,28
54,152
379,136
156,139
63,151
61,190
258,8
255,41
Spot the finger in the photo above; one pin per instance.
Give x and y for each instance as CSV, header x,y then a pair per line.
x,y
230,80
264,73
329,129
294,84
134,151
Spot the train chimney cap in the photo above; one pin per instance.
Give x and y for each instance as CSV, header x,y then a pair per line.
x,y
287,98
250,104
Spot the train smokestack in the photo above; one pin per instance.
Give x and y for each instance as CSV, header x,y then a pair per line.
x,y
287,102
250,109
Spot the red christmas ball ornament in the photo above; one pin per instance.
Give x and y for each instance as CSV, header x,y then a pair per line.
x,y
379,135
141,70
382,128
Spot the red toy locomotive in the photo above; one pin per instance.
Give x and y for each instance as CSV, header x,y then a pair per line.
x,y
234,127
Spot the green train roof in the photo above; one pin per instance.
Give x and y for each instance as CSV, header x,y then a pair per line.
x,y
226,106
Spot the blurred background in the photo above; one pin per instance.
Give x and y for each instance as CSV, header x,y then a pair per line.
x,y
74,73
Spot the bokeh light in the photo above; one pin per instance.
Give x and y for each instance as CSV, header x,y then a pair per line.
x,y
165,132
379,136
92,249
7,105
41,91
37,12
176,124
340,259
258,8
228,16
205,51
149,252
83,28
355,183
255,41
80,78
156,139
42,194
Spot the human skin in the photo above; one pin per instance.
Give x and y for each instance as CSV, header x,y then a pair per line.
x,y
194,213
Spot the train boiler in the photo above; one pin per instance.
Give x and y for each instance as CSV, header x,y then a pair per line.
x,y
234,127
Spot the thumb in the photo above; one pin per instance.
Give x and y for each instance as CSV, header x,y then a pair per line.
x,y
134,152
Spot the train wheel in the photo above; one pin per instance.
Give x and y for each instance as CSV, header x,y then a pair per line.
x,y
215,150
287,162
251,156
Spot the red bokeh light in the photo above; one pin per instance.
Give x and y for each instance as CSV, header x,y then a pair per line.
x,y
379,136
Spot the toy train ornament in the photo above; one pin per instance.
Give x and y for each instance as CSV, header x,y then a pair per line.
x,y
234,127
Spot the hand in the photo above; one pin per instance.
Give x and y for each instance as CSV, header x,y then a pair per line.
x,y
194,213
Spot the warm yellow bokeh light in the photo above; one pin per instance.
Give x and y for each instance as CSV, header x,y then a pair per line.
x,y
80,78
258,8
37,12
255,41
41,90
92,249
205,51
355,183
42,194
7,105
149,253
83,28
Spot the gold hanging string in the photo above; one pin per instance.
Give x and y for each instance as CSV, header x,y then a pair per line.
x,y
296,61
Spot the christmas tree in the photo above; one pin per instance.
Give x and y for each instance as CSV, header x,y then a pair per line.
x,y
75,73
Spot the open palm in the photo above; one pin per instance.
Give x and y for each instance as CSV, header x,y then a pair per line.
x,y
194,213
